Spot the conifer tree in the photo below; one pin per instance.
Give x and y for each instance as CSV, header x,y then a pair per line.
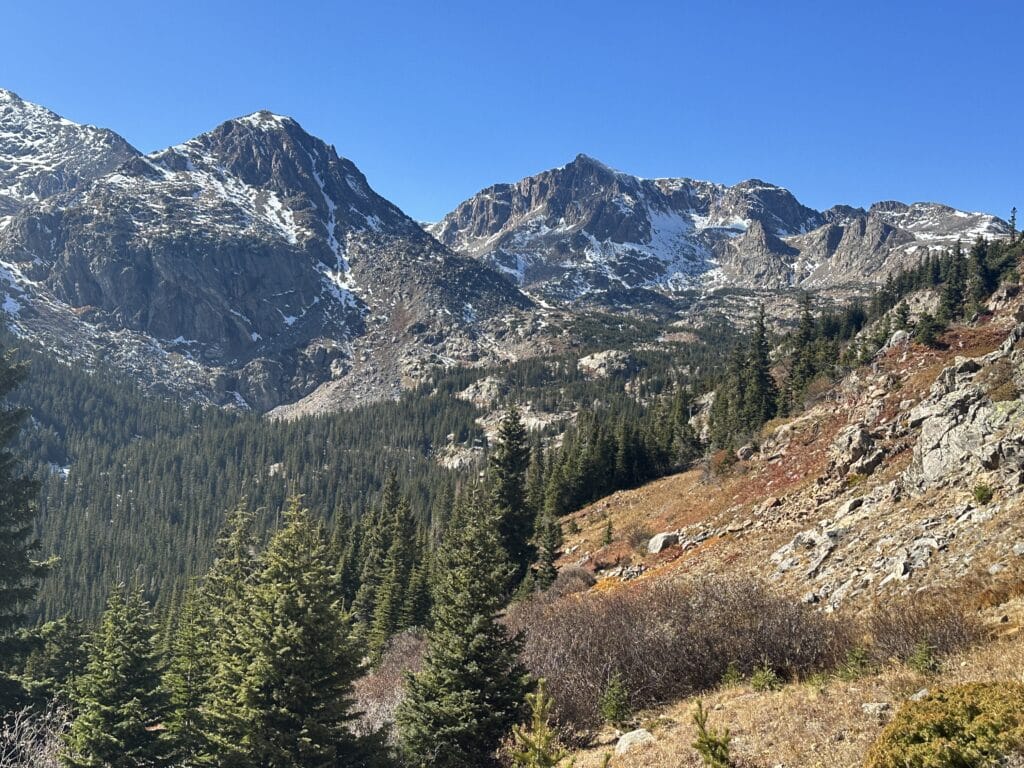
x,y
296,690
224,601
536,745
19,571
376,538
803,368
392,591
121,705
508,464
56,661
760,397
471,688
951,303
187,679
548,542
416,606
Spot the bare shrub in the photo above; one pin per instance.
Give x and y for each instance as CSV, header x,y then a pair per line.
x,y
570,581
637,535
900,627
31,738
379,692
667,640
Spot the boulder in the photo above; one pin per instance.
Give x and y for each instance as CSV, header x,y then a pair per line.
x,y
661,542
851,445
634,739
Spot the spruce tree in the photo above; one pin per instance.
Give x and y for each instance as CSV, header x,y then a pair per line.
x,y
471,688
187,679
224,601
56,661
120,703
548,542
951,302
508,464
760,396
295,694
19,571
376,538
392,592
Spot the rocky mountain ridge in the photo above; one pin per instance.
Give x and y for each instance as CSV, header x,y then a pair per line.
x,y
252,266
247,266
586,232
43,154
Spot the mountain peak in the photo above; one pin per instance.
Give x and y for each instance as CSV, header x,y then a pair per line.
x,y
266,120
586,161
43,154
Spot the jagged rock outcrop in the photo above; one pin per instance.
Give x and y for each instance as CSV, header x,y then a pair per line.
x,y
972,420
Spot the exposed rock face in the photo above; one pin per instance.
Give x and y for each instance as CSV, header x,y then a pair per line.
x,y
256,255
612,362
584,231
42,154
963,431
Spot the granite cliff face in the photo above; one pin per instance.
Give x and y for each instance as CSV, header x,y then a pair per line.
x,y
586,232
248,263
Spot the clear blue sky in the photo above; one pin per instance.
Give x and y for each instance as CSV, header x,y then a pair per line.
x,y
840,102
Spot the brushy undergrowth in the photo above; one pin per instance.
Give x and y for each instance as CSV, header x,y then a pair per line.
x,y
966,726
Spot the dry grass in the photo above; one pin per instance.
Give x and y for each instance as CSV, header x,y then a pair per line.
x,y
804,725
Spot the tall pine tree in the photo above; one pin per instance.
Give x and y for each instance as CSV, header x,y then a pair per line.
x,y
471,688
509,461
295,695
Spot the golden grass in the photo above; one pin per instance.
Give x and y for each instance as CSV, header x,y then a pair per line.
x,y
803,725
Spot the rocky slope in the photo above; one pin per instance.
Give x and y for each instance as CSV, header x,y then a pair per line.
x,y
908,474
250,265
585,231
43,154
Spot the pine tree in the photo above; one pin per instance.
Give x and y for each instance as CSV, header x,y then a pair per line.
x,y
56,661
536,745
121,705
902,316
19,572
711,745
187,679
391,594
471,688
548,543
416,609
224,600
377,535
507,467
760,398
296,690
1013,225
951,303
803,368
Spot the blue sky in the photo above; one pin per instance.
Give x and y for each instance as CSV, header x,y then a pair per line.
x,y
839,102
